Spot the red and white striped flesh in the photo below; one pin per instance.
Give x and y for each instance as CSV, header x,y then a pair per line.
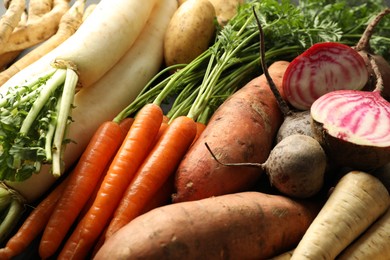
x,y
358,116
356,127
322,68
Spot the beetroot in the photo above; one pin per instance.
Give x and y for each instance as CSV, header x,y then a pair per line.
x,y
354,126
322,68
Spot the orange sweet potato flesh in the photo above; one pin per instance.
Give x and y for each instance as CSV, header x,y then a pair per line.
x,y
241,130
246,225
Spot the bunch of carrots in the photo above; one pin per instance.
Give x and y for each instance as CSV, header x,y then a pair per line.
x,y
126,170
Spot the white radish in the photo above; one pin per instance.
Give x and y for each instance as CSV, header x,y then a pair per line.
x,y
99,42
108,96
356,202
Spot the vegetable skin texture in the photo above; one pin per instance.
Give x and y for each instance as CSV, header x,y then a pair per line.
x,y
373,244
296,166
189,32
248,225
357,200
128,76
255,111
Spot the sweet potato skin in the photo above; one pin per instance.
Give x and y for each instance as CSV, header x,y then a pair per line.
x,y
247,225
241,130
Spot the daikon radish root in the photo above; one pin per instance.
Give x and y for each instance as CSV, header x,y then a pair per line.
x,y
101,102
190,32
106,27
68,25
36,30
373,244
255,109
357,200
247,225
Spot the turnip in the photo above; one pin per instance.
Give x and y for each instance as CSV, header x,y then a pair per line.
x,y
296,166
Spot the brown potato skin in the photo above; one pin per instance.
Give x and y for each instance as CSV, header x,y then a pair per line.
x,y
248,225
225,9
242,130
189,32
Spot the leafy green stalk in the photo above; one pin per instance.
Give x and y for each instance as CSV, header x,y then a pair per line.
x,y
11,209
234,59
33,123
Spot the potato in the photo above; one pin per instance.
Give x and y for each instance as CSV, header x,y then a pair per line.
x,y
189,32
225,9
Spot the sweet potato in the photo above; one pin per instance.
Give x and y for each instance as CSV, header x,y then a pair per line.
x,y
241,130
247,225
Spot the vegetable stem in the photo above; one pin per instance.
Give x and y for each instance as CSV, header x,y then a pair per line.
x,y
63,117
50,86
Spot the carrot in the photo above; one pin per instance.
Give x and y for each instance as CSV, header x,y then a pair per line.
x,y
127,160
156,169
101,102
200,127
255,112
247,225
358,199
373,244
33,225
84,178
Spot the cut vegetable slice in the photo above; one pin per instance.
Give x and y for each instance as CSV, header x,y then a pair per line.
x,y
323,68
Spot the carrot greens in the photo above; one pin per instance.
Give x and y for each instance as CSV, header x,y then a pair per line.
x,y
233,58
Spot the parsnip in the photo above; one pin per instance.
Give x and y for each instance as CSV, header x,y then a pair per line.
x,y
373,244
10,19
69,23
357,200
35,30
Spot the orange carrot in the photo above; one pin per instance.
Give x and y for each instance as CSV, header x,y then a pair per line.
x,y
84,178
127,160
33,225
156,169
125,125
199,129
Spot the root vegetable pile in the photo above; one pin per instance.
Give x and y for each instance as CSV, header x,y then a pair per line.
x,y
195,129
